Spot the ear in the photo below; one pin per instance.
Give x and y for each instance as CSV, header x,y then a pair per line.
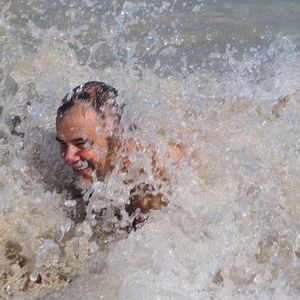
x,y
111,121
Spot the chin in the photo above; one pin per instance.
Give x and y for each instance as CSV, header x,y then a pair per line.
x,y
83,183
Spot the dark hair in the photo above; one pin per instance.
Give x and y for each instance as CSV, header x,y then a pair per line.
x,y
94,93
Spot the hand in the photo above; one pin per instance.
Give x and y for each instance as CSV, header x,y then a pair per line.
x,y
142,197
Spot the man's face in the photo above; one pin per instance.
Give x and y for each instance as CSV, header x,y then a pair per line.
x,y
83,138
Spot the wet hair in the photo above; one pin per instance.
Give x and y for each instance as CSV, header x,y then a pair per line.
x,y
93,94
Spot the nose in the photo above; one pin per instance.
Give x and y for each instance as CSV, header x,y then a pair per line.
x,y
70,154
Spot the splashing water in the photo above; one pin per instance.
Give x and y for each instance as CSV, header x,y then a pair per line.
x,y
218,77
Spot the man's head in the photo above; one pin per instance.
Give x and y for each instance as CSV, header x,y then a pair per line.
x,y
86,126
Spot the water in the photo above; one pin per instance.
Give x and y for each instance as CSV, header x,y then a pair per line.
x,y
216,76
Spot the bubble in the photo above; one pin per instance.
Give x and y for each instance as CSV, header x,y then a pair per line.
x,y
221,86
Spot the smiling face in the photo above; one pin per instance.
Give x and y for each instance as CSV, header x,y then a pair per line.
x,y
85,144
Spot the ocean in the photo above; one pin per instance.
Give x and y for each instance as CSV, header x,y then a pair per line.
x,y
219,77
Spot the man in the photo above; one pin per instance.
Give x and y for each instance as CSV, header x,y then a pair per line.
x,y
89,134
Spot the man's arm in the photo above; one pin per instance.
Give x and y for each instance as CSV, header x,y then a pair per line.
x,y
144,196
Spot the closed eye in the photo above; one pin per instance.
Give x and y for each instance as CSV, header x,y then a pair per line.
x,y
62,143
82,143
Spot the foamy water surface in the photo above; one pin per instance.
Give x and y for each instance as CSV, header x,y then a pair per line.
x,y
219,78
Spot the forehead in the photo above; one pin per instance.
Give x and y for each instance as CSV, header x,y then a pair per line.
x,y
79,121
78,116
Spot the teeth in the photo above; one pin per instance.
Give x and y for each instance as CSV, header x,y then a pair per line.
x,y
80,165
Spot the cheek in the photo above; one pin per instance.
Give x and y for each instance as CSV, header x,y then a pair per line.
x,y
93,154
62,151
101,150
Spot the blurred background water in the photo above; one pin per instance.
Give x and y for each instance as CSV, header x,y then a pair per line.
x,y
217,76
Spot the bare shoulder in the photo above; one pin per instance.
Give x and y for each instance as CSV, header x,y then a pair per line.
x,y
127,148
175,152
169,150
175,148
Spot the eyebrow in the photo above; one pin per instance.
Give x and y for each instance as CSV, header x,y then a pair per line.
x,y
78,140
59,140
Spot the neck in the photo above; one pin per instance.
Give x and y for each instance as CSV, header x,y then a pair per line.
x,y
113,148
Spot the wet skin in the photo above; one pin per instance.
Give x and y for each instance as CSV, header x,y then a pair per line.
x,y
84,141
83,138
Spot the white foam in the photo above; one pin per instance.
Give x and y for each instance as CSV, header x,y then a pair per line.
x,y
231,228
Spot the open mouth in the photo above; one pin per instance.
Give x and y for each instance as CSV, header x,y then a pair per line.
x,y
80,165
